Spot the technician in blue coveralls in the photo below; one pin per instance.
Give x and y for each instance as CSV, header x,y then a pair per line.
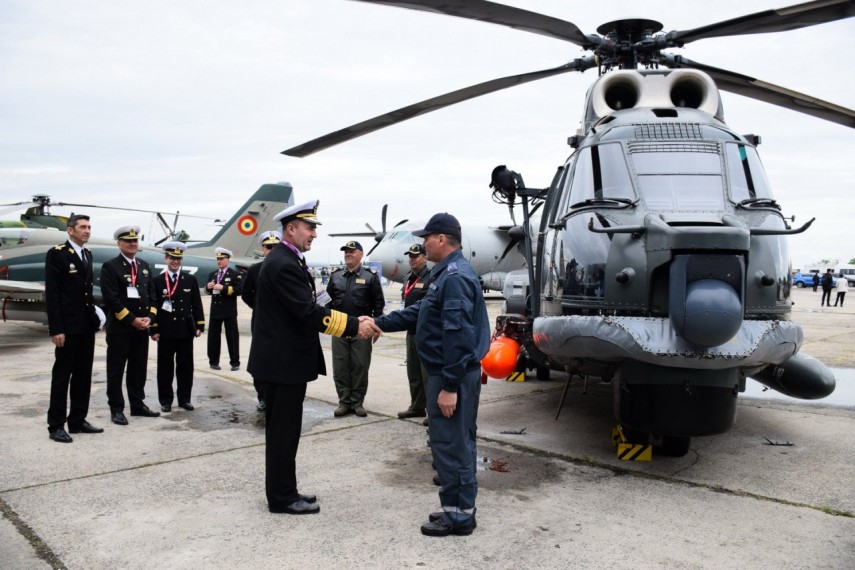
x,y
453,335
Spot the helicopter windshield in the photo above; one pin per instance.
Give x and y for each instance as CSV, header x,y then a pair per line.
x,y
679,177
745,173
600,174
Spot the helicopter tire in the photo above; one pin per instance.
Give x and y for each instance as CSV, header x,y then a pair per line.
x,y
675,445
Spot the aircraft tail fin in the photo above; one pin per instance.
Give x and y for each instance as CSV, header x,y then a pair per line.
x,y
239,234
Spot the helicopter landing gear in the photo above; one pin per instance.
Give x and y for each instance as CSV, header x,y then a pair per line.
x,y
675,445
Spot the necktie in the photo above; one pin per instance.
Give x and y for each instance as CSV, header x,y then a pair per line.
x,y
83,258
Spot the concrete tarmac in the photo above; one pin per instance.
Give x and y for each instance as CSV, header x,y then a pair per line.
x,y
186,490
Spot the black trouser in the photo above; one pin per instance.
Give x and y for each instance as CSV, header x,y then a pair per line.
x,y
840,296
826,297
284,415
174,356
131,350
216,325
71,369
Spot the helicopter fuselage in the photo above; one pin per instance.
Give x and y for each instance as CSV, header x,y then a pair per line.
x,y
663,264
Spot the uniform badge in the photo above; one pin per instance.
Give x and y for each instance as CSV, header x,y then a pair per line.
x,y
360,281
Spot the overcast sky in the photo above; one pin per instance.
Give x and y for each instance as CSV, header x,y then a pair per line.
x,y
187,105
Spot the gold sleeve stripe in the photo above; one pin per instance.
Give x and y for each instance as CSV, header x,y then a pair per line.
x,y
230,291
200,322
122,314
336,322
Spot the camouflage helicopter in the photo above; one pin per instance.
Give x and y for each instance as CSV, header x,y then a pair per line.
x,y
660,260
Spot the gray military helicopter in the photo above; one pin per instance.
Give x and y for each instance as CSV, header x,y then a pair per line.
x,y
660,261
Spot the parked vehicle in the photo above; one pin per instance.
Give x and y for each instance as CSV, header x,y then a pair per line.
x,y
806,279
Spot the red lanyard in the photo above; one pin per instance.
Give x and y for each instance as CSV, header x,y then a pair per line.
x,y
133,273
408,288
171,291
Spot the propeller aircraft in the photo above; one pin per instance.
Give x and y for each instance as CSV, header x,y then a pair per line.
x,y
22,251
659,262
492,251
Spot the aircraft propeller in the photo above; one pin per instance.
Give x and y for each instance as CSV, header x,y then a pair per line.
x,y
378,236
623,44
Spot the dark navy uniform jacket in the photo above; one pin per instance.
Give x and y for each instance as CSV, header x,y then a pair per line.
x,y
452,328
250,281
356,293
418,284
224,305
187,315
285,347
121,311
68,292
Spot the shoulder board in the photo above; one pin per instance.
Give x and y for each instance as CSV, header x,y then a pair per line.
x,y
371,270
452,267
337,270
59,247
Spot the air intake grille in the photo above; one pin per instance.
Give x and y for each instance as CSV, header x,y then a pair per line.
x,y
666,131
709,147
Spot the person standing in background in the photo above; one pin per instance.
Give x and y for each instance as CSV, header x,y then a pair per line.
x,y
224,286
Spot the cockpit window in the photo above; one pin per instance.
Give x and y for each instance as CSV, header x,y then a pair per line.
x,y
745,173
600,172
679,178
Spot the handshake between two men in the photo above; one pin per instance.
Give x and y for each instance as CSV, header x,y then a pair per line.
x,y
367,328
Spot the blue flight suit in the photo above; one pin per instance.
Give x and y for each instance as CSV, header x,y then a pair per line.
x,y
453,335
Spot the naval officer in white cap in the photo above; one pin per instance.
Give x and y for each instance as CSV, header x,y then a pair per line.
x,y
180,320
224,286
286,351
126,285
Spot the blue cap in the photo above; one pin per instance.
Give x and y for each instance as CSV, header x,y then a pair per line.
x,y
352,245
443,223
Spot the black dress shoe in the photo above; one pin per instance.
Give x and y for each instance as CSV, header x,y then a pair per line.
x,y
235,368
60,436
436,481
215,367
85,427
145,412
309,498
411,413
440,528
186,405
300,507
119,418
166,408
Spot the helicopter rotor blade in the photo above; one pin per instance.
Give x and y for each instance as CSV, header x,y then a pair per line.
x,y
767,92
372,234
433,104
404,221
767,21
500,14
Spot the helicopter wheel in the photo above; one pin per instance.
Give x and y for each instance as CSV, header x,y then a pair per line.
x,y
675,445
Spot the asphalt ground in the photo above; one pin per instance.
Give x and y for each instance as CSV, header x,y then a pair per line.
x,y
186,490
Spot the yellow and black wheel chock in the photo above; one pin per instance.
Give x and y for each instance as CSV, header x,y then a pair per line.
x,y
628,451
516,376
